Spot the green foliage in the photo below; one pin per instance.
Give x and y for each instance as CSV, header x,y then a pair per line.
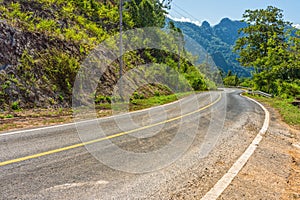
x,y
175,65
47,26
289,113
231,80
287,90
100,99
196,80
17,17
246,82
61,68
147,13
8,116
274,55
217,41
77,21
137,104
15,105
60,97
263,25
157,93
78,26
136,95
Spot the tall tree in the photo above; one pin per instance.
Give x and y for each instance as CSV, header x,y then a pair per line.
x,y
264,45
147,13
265,31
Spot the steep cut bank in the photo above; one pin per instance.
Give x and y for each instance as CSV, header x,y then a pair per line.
x,y
43,43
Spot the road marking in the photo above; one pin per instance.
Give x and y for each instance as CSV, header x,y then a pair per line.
x,y
225,181
105,138
103,118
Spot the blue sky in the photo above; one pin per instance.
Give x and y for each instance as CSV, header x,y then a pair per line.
x,y
214,10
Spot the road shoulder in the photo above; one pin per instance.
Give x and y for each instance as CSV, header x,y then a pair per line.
x,y
274,169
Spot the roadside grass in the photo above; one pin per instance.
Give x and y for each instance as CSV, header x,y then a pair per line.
x,y
5,127
139,104
42,117
143,103
289,113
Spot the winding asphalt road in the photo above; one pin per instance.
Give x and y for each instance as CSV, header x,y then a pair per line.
x,y
141,155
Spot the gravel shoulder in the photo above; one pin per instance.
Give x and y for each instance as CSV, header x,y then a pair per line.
x,y
273,172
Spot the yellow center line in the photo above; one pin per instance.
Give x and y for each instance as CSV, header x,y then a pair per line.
x,y
102,139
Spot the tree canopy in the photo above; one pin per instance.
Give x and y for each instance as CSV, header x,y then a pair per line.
x,y
265,30
147,13
268,45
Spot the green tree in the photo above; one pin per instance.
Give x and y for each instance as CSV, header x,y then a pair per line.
x,y
231,79
292,71
263,25
147,13
266,46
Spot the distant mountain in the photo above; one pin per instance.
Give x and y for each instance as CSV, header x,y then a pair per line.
x,y
218,41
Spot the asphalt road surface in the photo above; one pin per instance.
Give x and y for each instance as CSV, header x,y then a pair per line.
x,y
151,154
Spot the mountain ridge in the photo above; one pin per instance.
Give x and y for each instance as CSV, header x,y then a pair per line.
x,y
218,41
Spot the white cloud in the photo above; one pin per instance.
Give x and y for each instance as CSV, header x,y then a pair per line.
x,y
296,26
183,19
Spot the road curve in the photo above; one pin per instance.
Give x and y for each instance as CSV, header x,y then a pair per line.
x,y
61,163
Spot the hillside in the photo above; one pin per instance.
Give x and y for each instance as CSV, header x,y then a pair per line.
x,y
218,41
44,42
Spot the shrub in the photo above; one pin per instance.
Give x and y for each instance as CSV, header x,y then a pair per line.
x,y
15,105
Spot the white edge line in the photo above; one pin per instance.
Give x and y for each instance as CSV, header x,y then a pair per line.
x,y
86,121
225,181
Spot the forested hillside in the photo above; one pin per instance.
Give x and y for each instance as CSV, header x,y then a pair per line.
x,y
43,43
218,41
